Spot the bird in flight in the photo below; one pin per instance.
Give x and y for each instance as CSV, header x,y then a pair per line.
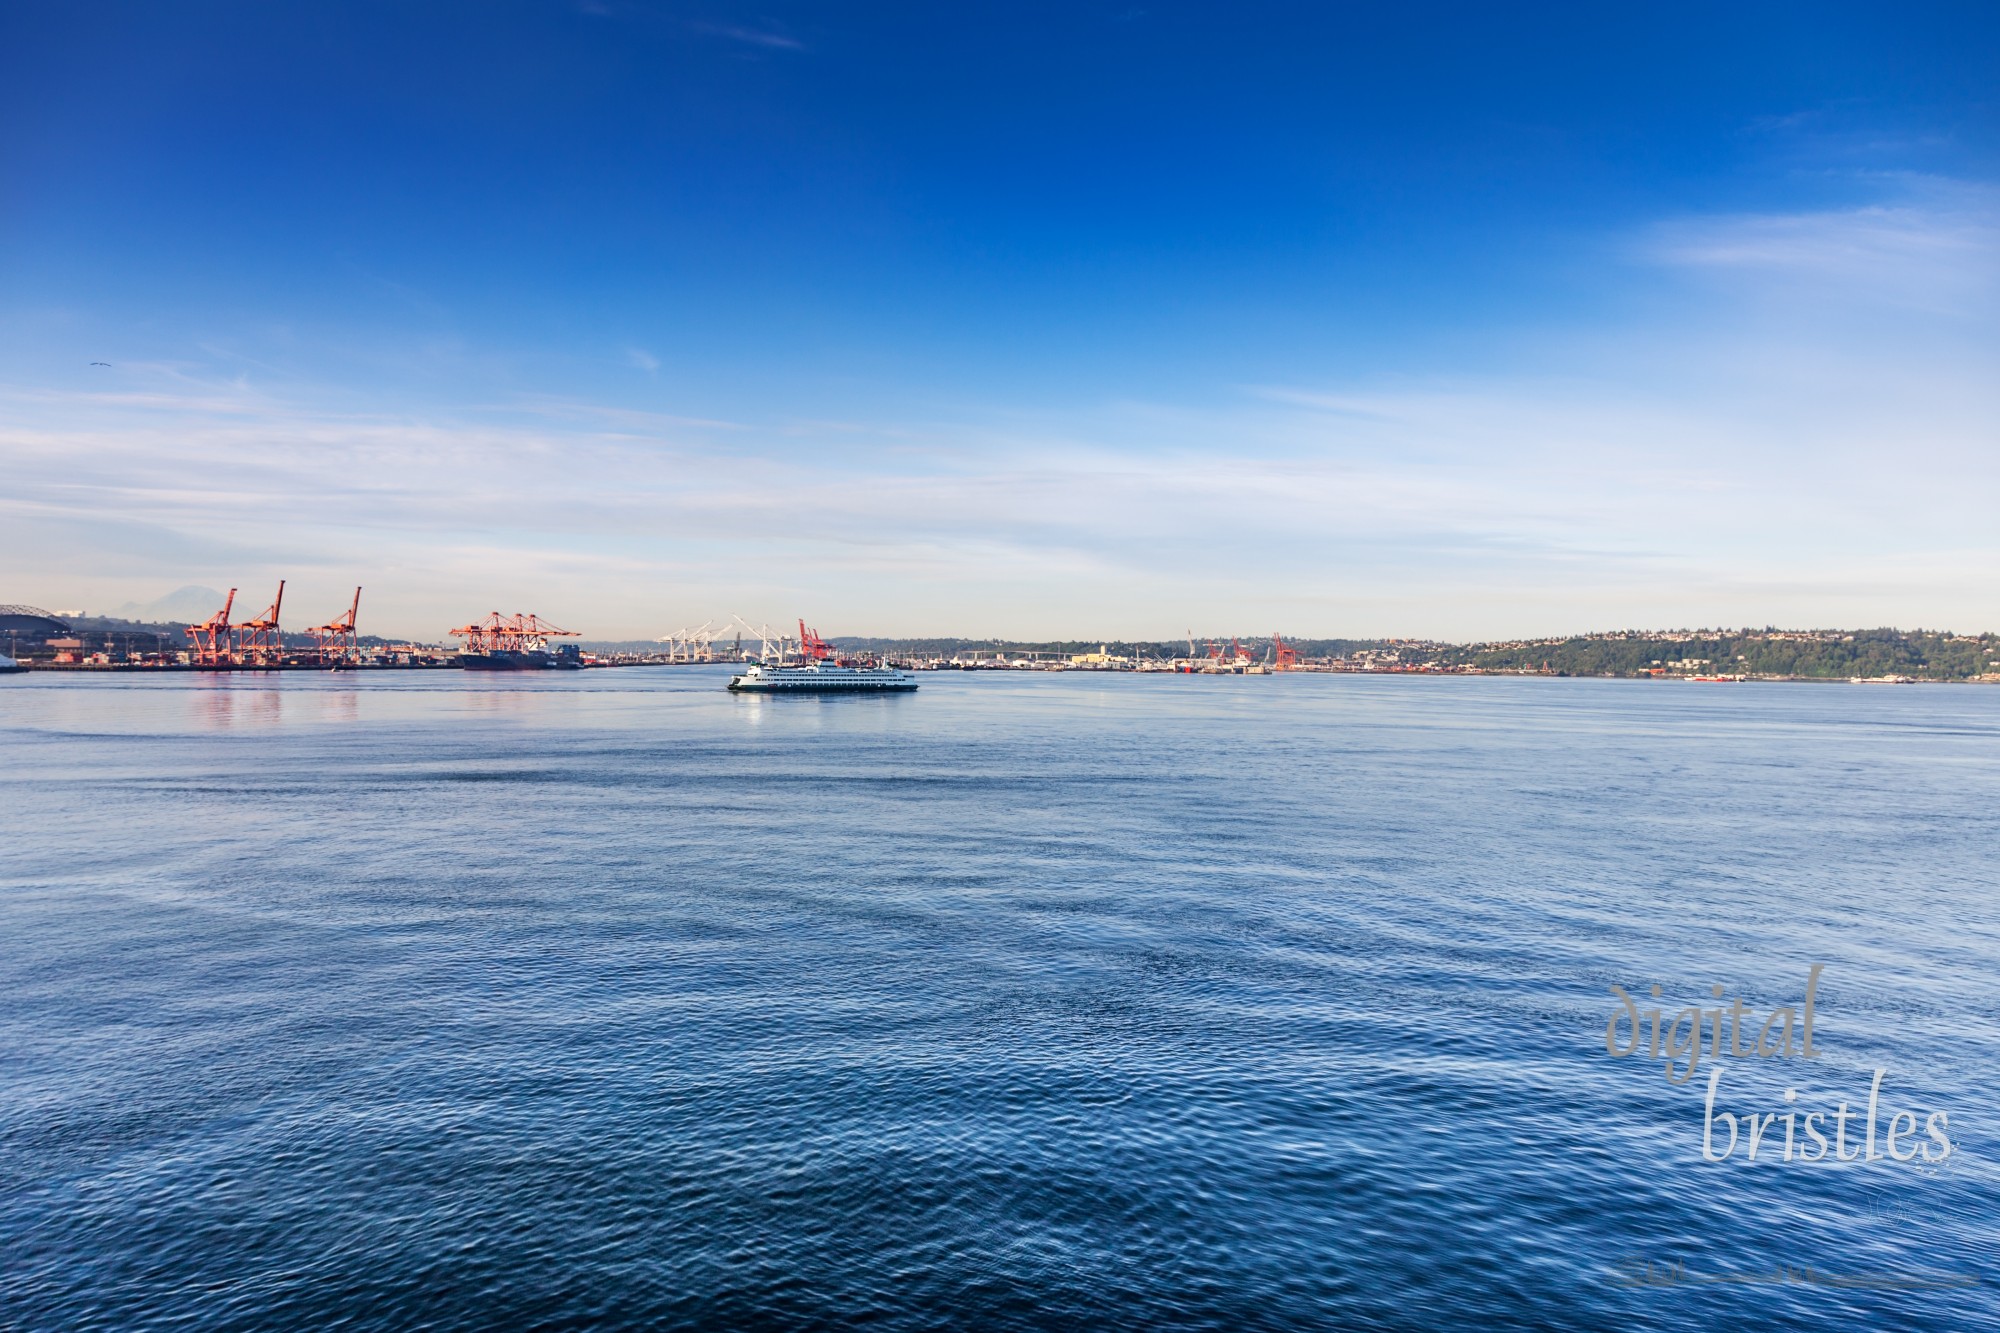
x,y
105,364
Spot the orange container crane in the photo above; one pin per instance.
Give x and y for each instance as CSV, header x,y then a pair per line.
x,y
517,633
334,642
259,641
215,638
1284,656
811,646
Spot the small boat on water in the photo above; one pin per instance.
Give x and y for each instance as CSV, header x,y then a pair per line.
x,y
820,678
9,667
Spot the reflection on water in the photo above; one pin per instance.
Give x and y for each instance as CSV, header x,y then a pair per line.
x,y
226,701
340,703
754,707
499,694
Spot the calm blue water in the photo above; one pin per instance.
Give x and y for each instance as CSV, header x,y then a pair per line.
x,y
1023,1002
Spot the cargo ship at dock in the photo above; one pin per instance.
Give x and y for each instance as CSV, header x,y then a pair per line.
x,y
519,642
564,657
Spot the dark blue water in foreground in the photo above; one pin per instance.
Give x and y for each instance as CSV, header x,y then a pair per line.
x,y
404,1001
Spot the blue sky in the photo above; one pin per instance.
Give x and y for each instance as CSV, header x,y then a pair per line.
x,y
1028,319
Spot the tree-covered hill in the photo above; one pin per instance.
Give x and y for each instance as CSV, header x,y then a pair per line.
x,y
1812,655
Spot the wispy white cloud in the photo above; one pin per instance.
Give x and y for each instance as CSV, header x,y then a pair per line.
x,y
768,37
1862,240
1448,507
641,359
604,414
1936,249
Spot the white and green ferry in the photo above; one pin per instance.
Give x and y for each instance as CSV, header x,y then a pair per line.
x,y
820,678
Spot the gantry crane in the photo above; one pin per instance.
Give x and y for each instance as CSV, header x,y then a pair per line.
x,y
770,647
334,643
517,633
691,645
812,647
259,641
215,638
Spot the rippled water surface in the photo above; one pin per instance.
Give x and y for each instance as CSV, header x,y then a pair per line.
x,y
1055,1001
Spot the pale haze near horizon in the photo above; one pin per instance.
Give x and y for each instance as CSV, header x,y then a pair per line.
x,y
901,401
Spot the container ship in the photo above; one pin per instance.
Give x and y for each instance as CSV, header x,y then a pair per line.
x,y
515,643
561,657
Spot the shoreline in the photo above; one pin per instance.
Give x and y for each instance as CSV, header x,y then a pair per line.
x,y
29,668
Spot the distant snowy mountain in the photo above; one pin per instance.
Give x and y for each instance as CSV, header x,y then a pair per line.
x,y
182,604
